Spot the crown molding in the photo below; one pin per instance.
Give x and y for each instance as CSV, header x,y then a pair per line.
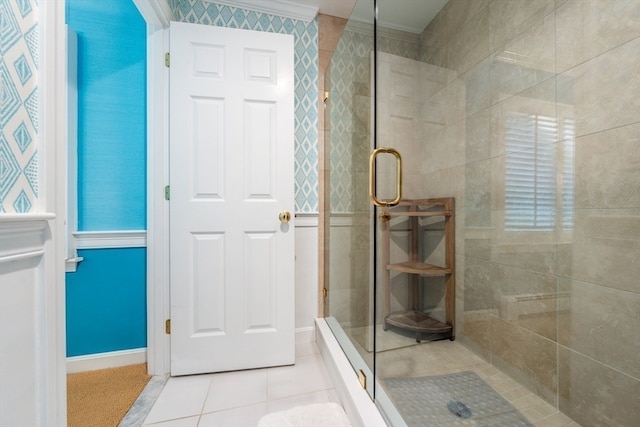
x,y
274,7
155,12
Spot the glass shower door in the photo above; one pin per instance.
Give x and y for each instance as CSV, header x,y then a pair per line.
x,y
372,123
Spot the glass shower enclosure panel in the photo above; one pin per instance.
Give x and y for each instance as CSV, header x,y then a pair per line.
x,y
349,134
415,256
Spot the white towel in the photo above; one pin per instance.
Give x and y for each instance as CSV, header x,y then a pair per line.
x,y
315,415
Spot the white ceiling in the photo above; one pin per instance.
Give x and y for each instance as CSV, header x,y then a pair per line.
x,y
339,8
406,15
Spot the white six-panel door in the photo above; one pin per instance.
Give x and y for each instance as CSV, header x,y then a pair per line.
x,y
231,174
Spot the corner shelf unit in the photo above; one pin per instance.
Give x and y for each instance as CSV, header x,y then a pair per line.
x,y
415,319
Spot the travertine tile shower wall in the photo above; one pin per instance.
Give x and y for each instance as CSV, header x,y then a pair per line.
x,y
538,138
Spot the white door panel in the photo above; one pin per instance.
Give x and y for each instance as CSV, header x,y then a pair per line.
x,y
231,173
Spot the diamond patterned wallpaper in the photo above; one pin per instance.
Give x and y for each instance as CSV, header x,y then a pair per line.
x,y
350,110
306,80
350,81
18,105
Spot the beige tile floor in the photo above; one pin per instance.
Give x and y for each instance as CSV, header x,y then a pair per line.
x,y
241,398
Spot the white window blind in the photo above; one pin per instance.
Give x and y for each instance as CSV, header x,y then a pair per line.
x,y
568,135
538,173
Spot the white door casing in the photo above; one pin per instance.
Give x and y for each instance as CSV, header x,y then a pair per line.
x,y
231,174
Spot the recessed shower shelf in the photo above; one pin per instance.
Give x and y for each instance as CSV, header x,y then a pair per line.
x,y
414,319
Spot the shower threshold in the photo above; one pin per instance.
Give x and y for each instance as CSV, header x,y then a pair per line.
x,y
359,406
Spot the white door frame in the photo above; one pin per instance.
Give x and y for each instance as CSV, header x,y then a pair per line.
x,y
52,207
158,290
53,89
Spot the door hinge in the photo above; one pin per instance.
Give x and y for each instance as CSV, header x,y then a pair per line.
x,y
167,192
325,292
167,326
167,60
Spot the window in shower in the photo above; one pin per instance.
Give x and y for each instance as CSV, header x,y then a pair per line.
x,y
538,173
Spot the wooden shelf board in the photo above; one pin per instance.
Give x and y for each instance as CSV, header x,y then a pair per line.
x,y
419,213
423,203
418,322
419,268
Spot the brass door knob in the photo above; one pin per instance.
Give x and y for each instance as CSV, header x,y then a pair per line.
x,y
284,216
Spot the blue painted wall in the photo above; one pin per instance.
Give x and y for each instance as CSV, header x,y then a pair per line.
x,y
106,296
106,302
111,114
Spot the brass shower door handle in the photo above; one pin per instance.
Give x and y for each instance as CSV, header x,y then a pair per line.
x,y
372,177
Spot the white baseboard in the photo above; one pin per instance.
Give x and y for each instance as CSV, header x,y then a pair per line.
x,y
307,334
112,359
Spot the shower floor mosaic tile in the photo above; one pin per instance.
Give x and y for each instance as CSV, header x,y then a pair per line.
x,y
459,399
